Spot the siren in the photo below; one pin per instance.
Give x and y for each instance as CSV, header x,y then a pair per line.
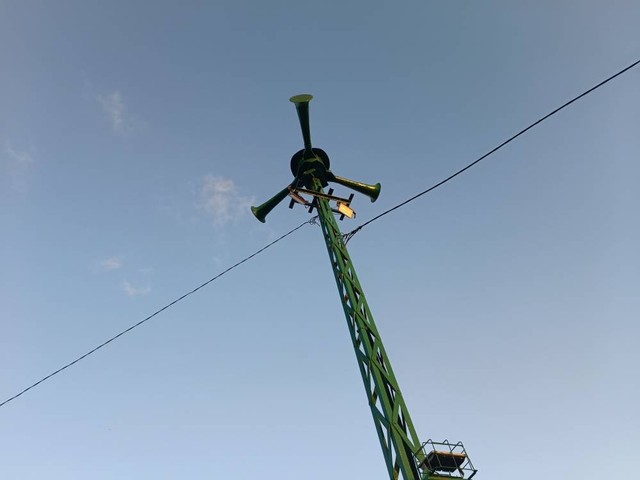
x,y
261,211
308,165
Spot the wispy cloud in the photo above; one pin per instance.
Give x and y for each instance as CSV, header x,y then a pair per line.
x,y
219,198
18,158
16,163
117,113
133,291
111,263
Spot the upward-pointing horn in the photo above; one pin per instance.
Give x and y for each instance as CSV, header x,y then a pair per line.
x,y
302,106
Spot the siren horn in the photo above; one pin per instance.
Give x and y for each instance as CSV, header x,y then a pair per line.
x,y
371,191
261,211
302,107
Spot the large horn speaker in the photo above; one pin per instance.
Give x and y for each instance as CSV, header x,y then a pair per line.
x,y
311,165
261,211
371,191
302,107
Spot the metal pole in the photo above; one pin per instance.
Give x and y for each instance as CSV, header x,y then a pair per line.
x,y
393,424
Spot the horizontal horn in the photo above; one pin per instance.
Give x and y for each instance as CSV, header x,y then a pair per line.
x,y
371,191
261,211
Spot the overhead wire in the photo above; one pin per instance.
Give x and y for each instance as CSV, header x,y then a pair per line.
x,y
346,236
168,305
349,235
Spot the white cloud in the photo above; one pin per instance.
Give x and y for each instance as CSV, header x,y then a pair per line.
x,y
220,199
17,164
17,158
132,291
111,263
114,107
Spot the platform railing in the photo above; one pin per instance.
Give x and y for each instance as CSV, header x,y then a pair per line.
x,y
445,460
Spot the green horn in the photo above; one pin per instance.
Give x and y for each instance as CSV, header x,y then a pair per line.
x,y
302,106
371,191
263,210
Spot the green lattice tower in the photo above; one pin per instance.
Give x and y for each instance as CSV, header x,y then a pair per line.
x,y
403,453
397,435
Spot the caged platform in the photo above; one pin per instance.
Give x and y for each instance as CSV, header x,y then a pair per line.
x,y
444,460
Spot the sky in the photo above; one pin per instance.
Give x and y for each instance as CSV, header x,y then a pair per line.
x,y
134,136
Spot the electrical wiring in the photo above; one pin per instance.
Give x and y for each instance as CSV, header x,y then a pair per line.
x,y
349,235
346,236
182,297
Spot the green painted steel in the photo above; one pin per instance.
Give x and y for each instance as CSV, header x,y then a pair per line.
x,y
393,424
401,448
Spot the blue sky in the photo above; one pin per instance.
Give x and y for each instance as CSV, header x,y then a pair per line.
x,y
134,137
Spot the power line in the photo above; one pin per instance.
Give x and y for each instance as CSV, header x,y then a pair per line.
x,y
348,236
103,344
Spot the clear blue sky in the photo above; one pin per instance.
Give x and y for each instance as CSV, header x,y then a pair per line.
x,y
134,136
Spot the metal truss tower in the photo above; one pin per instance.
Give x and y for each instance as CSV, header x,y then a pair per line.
x,y
404,455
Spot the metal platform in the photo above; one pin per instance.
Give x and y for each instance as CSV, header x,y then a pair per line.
x,y
444,460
